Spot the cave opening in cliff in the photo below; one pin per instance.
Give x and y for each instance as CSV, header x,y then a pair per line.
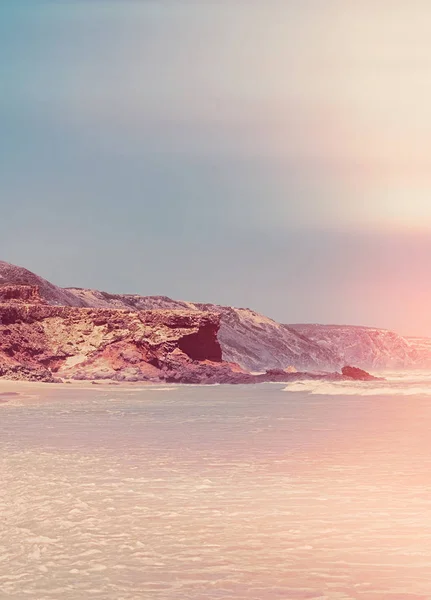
x,y
202,345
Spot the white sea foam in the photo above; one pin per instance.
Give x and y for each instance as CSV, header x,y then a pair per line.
x,y
161,389
361,388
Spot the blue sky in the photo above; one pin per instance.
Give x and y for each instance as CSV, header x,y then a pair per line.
x,y
265,154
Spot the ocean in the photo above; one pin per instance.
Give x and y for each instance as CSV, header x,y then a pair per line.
x,y
302,491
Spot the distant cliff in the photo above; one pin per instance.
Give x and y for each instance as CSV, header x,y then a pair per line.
x,y
253,341
368,347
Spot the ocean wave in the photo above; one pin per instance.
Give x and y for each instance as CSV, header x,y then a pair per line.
x,y
360,388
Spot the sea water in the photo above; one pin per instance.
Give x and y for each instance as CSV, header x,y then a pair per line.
x,y
300,491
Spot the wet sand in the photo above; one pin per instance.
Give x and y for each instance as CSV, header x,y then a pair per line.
x,y
10,390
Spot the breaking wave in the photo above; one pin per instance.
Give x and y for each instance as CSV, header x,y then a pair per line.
x,y
395,385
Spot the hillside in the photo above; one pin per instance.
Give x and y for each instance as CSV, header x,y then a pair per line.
x,y
42,342
366,346
248,338
11,274
253,341
421,355
39,341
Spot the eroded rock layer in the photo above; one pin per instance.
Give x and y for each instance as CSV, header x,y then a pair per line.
x,y
42,342
39,341
247,338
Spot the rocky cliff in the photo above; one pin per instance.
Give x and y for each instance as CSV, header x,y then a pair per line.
x,y
421,352
258,343
367,347
20,294
13,275
42,342
247,338
38,341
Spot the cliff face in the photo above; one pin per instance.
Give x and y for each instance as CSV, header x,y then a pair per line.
x,y
38,341
366,347
258,343
20,294
247,338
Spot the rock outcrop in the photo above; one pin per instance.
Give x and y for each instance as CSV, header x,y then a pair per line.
x,y
247,338
258,343
41,341
358,374
21,294
52,294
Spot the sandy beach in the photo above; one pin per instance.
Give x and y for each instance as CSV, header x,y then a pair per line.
x,y
12,389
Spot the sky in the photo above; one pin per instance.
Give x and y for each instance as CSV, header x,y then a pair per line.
x,y
267,154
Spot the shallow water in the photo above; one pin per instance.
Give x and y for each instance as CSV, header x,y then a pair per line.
x,y
222,492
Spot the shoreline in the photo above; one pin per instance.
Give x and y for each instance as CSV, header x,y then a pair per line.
x,y
11,388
